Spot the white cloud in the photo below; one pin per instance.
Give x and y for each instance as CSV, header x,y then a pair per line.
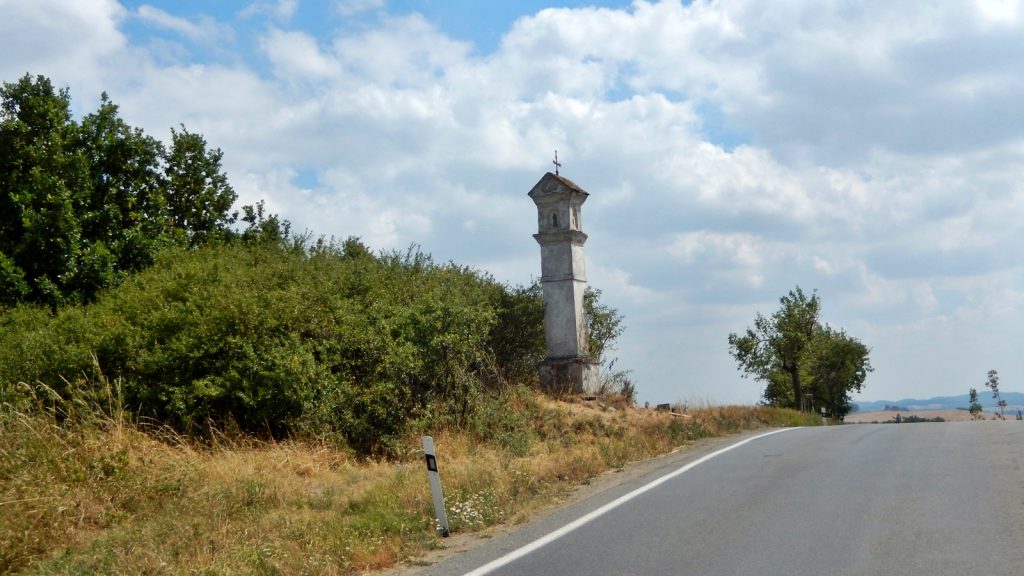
x,y
999,11
206,29
877,157
621,283
280,10
66,41
738,249
354,7
296,54
405,52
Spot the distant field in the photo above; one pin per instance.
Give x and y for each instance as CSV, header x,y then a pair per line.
x,y
948,415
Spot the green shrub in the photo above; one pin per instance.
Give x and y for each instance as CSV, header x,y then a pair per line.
x,y
272,338
504,419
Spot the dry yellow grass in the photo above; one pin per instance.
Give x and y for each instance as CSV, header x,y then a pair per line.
x,y
110,498
947,415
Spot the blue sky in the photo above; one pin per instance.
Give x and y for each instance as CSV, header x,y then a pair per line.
x,y
733,149
481,23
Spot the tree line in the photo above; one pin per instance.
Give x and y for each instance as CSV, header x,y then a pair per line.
x,y
804,363
84,204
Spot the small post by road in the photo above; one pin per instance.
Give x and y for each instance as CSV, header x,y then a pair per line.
x,y
824,422
435,487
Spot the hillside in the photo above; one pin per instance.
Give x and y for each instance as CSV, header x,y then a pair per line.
x,y
1014,400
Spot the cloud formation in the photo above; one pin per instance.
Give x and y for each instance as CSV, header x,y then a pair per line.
x,y
733,150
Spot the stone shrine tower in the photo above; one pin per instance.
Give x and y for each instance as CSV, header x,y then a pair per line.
x,y
564,279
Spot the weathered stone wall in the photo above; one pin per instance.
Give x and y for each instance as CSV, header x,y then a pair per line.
x,y
564,281
563,318
561,256
570,376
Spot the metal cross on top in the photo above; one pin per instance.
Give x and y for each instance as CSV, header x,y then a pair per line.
x,y
557,163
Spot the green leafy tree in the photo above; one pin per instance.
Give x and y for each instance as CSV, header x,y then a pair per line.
x,y
799,358
13,285
124,209
838,366
42,178
976,408
263,227
992,383
517,337
198,194
776,348
778,390
84,204
604,325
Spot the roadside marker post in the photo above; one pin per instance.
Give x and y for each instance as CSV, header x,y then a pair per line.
x,y
435,487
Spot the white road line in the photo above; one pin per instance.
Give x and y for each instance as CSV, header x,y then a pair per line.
x,y
552,536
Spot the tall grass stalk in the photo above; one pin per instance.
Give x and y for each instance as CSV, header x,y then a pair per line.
x,y
106,495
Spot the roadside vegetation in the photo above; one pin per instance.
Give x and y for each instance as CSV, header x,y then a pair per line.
x,y
277,339
803,362
110,496
908,419
992,383
976,409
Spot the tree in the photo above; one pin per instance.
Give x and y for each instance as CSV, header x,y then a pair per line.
x,y
198,193
83,205
517,337
42,178
263,228
838,366
993,384
975,405
778,390
124,208
775,349
799,358
604,325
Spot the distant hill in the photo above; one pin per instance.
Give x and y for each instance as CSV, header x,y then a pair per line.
x,y
1014,400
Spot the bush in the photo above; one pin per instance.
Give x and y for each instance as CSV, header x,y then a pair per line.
x,y
276,338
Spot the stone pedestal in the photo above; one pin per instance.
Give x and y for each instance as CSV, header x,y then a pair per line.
x,y
570,376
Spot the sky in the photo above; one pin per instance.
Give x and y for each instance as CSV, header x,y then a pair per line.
x,y
872,151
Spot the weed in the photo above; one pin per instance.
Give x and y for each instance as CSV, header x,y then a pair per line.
x,y
99,495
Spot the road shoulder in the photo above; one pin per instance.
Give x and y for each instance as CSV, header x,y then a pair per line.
x,y
586,497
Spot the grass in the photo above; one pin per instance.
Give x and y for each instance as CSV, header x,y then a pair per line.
x,y
106,496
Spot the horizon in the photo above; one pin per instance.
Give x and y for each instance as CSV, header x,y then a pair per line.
x,y
982,398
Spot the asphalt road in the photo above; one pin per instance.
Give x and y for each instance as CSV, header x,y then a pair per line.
x,y
921,499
